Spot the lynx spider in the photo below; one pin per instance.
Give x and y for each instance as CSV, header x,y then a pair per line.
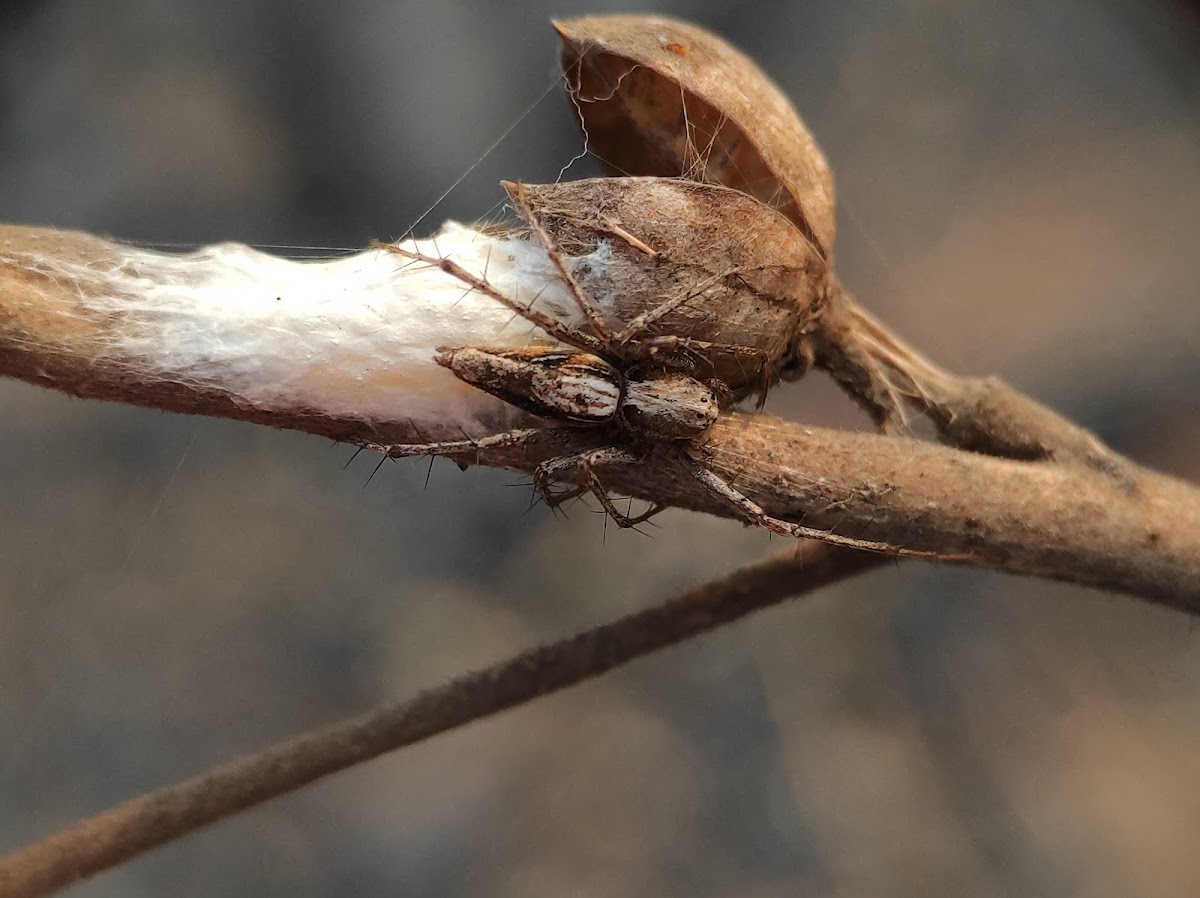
x,y
616,384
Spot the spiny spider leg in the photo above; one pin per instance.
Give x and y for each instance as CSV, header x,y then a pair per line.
x,y
639,324
594,319
554,501
544,476
687,344
551,471
585,463
552,326
671,341
753,513
460,447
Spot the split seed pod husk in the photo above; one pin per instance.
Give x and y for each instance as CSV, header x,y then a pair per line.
x,y
743,274
661,97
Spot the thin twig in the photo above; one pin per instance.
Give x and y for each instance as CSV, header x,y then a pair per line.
x,y
137,826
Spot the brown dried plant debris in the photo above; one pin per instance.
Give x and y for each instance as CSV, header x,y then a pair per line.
x,y
656,96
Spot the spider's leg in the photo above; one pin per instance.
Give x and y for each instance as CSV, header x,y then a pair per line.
x,y
547,474
702,349
638,325
689,344
550,325
613,456
752,513
460,447
590,313
585,463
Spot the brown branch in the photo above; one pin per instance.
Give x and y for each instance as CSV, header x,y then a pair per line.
x,y
887,376
1138,534
1105,523
137,826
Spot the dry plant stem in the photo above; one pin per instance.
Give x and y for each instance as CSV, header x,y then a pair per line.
x,y
1138,532
885,375
128,830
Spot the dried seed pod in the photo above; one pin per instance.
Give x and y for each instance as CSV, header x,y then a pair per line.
x,y
661,97
678,265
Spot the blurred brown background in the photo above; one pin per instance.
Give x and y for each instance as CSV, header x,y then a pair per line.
x,y
1019,190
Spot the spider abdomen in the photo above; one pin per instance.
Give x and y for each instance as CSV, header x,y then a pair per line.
x,y
563,385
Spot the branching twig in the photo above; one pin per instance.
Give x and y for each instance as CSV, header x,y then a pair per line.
x,y
144,823
886,376
1105,523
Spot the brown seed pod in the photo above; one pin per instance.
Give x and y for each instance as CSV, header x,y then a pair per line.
x,y
683,265
661,97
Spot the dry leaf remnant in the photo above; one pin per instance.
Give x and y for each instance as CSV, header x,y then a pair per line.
x,y
657,96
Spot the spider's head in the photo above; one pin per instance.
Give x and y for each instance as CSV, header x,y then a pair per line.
x,y
669,407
